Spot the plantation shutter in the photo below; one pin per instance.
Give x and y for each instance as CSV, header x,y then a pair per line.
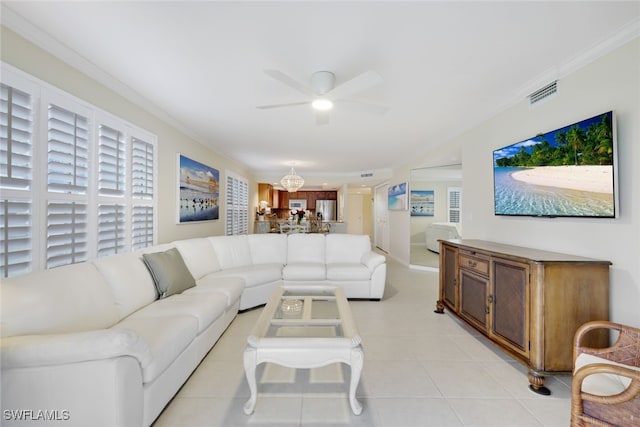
x,y
67,173
142,169
16,124
68,155
67,237
142,185
454,202
142,227
75,181
16,168
111,229
111,161
15,237
237,198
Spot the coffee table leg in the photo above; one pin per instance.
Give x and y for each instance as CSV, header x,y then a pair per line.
x,y
250,359
357,361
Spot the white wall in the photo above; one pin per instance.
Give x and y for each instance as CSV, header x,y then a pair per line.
x,y
29,58
609,83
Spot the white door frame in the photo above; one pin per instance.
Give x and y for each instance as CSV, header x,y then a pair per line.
x,y
381,216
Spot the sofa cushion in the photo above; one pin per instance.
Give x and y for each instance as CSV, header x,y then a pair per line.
x,y
232,251
253,275
129,280
71,298
346,248
304,271
199,256
268,248
169,272
602,384
230,287
206,308
166,337
306,248
348,271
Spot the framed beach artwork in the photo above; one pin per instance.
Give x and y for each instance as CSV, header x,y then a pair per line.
x,y
567,172
198,191
398,197
422,203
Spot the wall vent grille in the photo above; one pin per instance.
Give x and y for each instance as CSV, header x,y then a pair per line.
x,y
366,175
543,93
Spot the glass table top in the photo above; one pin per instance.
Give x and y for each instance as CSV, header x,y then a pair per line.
x,y
306,312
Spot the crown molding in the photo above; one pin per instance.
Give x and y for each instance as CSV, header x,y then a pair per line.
x,y
24,28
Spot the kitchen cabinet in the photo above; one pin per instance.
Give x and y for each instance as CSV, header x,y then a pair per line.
x,y
309,196
528,302
265,192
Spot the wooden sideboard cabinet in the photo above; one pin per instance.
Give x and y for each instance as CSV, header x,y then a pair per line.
x,y
527,301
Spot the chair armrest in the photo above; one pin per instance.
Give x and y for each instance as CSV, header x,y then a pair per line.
x,y
372,260
57,349
631,392
628,337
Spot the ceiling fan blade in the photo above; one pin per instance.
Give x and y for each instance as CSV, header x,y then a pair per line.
x,y
357,84
322,117
290,104
363,106
290,81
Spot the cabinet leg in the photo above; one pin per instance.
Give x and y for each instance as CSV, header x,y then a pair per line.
x,y
536,384
439,307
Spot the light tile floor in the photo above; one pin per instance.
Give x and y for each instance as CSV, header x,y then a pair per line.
x,y
421,369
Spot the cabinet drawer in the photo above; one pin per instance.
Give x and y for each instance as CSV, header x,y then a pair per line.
x,y
474,263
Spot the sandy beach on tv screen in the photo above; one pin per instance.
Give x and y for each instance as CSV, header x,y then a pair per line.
x,y
596,179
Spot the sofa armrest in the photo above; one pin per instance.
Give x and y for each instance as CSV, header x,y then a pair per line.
x,y
372,260
57,349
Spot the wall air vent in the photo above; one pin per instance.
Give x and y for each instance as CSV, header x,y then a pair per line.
x,y
366,175
543,93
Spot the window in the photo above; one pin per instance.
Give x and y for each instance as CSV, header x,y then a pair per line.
x,y
237,198
16,169
454,203
76,182
142,188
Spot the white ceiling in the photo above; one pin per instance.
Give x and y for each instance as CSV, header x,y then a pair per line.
x,y
447,66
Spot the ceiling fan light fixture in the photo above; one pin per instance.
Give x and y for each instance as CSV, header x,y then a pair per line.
x,y
292,182
322,104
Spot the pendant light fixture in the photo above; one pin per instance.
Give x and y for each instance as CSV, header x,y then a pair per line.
x,y
292,182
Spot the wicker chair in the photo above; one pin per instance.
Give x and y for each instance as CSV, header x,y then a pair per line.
x,y
605,390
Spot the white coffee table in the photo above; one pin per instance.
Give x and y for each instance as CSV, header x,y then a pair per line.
x,y
305,327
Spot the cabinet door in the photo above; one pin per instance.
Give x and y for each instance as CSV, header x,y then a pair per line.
x,y
449,278
510,300
473,298
311,200
284,199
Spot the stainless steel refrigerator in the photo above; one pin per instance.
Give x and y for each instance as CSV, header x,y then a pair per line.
x,y
328,209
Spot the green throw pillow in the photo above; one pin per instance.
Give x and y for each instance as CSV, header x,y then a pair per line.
x,y
170,274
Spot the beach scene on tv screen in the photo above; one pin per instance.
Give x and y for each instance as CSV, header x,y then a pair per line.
x,y
565,172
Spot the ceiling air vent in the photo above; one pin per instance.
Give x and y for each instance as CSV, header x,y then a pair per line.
x,y
366,175
543,93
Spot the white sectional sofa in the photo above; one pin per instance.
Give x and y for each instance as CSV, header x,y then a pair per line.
x,y
92,343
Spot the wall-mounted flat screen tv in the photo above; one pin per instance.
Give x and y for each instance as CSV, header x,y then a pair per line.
x,y
568,172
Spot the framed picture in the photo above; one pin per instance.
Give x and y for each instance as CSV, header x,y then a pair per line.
x,y
422,202
398,197
198,191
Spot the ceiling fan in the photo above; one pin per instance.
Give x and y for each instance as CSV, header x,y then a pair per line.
x,y
322,93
